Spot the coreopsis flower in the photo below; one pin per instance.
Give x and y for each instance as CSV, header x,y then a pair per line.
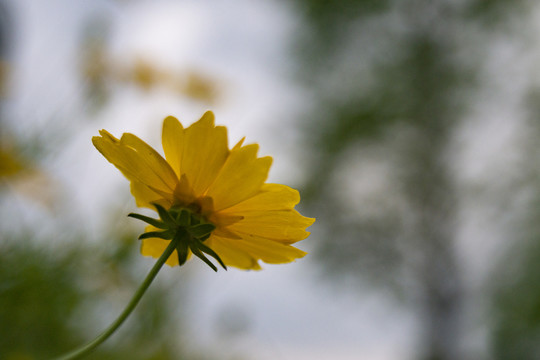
x,y
210,199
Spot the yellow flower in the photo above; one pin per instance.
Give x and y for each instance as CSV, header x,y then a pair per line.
x,y
241,219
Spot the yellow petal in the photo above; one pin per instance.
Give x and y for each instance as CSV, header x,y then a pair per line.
x,y
205,151
172,139
136,165
271,197
125,159
183,193
269,251
286,226
240,178
145,197
154,247
231,254
152,159
239,144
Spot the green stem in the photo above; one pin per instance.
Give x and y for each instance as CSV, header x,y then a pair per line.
x,y
86,349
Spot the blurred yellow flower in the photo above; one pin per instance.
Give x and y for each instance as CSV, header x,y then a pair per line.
x,y
239,218
9,164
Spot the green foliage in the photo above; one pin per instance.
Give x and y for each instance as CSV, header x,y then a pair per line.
x,y
400,100
495,12
329,18
515,305
47,303
516,311
38,296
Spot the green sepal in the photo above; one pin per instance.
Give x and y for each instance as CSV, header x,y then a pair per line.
x,y
194,220
167,234
187,228
154,222
182,251
201,230
203,238
212,253
175,213
184,218
201,256
165,215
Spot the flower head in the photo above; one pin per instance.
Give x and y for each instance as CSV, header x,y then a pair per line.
x,y
214,197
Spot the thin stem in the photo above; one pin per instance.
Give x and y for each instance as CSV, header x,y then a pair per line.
x,y
86,349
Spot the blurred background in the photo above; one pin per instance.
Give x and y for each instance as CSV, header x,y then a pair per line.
x,y
410,127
